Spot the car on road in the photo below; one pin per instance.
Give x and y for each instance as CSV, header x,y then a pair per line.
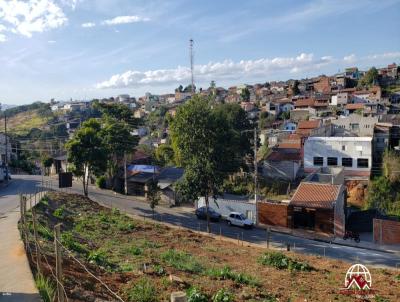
x,y
238,219
201,214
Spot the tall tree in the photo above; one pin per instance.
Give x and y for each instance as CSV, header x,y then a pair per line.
x,y
202,141
245,94
86,152
153,194
370,78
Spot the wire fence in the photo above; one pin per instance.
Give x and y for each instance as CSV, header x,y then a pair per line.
x,y
37,253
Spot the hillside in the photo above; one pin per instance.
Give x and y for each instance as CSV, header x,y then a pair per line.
x,y
137,258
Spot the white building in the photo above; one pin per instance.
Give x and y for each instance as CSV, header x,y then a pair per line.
x,y
341,98
354,154
10,154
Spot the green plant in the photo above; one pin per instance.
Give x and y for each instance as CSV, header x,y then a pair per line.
x,y
281,261
46,288
59,212
381,299
97,257
68,240
223,295
143,291
226,273
137,251
397,278
195,295
159,270
101,182
182,261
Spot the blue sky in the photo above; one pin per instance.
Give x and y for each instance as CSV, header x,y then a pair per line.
x,y
79,49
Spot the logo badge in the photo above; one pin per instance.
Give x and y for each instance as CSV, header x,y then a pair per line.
x,y
358,282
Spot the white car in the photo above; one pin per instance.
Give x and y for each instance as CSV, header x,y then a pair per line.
x,y
239,219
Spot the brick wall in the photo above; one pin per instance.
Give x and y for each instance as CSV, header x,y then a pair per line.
x,y
386,231
324,221
275,214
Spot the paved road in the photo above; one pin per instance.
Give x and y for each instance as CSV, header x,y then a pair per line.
x,y
187,219
16,281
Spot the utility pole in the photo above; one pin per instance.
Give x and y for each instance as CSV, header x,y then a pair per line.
x,y
191,64
125,175
255,165
6,145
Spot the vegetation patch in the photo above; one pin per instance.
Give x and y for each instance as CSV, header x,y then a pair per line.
x,y
281,261
226,273
181,261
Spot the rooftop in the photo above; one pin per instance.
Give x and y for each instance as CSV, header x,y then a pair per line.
x,y
315,195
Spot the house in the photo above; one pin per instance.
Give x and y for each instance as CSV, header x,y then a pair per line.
x,y
353,108
8,152
137,178
340,98
354,154
304,103
305,128
282,165
381,140
289,126
322,85
60,164
166,180
354,125
297,115
319,207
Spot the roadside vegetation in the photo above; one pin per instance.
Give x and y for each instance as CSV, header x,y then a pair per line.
x,y
145,261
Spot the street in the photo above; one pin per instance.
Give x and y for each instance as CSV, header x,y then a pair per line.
x,y
187,219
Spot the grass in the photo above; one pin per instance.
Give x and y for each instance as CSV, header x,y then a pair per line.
x,y
223,295
280,261
142,291
195,295
181,261
226,273
46,288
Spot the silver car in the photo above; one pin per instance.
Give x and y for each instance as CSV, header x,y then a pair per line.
x,y
238,219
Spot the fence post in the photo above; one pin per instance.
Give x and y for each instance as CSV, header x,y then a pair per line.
x,y
57,246
38,258
268,237
178,297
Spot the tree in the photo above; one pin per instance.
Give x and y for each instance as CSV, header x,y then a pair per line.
x,y
164,155
369,78
391,166
86,152
245,94
153,194
295,88
47,161
202,140
379,194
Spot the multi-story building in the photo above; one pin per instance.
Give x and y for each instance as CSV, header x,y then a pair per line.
x,y
353,153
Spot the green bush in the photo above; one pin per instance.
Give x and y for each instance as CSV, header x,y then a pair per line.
x,y
136,251
98,257
226,273
46,288
68,240
59,212
101,182
182,261
143,291
281,261
195,295
223,295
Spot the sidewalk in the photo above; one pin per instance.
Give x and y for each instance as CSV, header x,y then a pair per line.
x,y
335,240
16,280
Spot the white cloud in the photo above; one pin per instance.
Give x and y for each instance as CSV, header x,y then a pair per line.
x,y
51,41
3,38
88,24
125,20
238,71
27,17
227,69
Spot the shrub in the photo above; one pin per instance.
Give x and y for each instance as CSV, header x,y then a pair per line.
x,y
195,295
59,213
46,288
101,182
98,257
182,261
137,251
281,261
143,291
226,273
223,295
159,270
68,240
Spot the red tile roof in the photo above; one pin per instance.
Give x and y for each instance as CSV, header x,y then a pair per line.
x,y
312,124
304,102
290,145
315,195
355,106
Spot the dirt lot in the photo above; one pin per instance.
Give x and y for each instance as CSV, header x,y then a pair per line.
x,y
136,258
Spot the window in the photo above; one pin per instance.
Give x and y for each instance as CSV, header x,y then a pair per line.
x,y
332,161
354,126
343,148
347,162
362,162
318,161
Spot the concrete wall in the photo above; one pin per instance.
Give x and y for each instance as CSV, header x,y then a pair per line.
x,y
386,231
225,206
366,125
339,213
340,147
281,169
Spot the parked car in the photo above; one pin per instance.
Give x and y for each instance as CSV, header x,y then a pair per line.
x,y
201,214
239,219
